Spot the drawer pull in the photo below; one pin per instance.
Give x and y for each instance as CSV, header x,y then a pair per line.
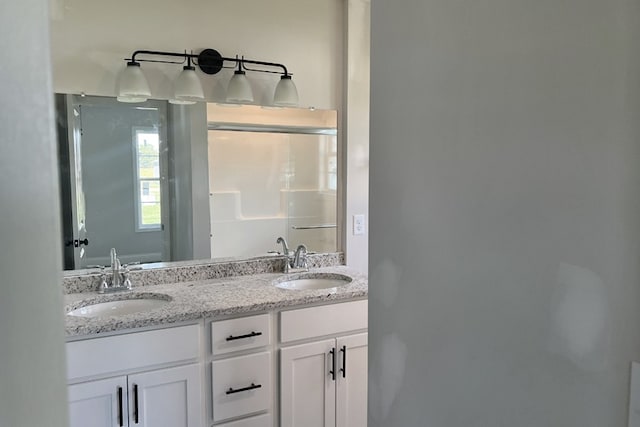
x,y
344,361
239,337
332,352
240,390
136,418
120,414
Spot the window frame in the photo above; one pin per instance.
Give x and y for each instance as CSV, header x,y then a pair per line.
x,y
137,180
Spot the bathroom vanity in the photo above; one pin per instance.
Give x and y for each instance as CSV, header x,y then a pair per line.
x,y
229,345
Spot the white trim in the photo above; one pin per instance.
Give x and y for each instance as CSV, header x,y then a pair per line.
x,y
139,227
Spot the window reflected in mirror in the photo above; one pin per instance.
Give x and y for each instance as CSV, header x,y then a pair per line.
x,y
148,199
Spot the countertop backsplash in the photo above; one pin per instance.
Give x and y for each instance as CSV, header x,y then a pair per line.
x,y
166,273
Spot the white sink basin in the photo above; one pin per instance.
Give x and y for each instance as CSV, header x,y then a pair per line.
x,y
118,308
312,281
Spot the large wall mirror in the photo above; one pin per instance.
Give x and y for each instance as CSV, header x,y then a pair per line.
x,y
163,183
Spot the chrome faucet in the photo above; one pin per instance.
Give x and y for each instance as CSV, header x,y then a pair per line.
x,y
285,253
119,276
285,248
296,261
116,279
300,257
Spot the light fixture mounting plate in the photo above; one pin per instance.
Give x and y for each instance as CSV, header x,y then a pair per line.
x,y
210,61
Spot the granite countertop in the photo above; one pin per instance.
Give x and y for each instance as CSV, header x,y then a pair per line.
x,y
193,300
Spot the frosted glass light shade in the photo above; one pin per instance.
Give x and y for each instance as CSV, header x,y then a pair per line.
x,y
132,84
286,94
131,99
187,88
239,89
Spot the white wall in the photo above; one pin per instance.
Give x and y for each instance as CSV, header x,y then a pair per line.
x,y
505,212
90,39
355,130
32,373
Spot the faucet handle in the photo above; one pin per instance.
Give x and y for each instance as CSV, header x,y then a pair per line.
x,y
126,280
104,285
126,269
300,257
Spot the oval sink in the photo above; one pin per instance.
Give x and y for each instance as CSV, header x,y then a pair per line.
x,y
313,281
118,308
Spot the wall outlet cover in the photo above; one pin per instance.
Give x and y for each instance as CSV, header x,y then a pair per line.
x,y
358,225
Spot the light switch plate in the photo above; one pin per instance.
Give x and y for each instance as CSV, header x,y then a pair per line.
x,y
634,396
358,225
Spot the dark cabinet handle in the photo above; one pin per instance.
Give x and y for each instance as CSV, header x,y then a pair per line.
x,y
135,403
333,363
240,390
239,337
344,361
120,415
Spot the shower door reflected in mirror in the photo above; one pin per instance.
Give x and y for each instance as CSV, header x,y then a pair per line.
x,y
272,179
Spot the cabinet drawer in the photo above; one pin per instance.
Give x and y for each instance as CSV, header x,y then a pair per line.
x,y
241,385
128,352
240,334
258,421
324,320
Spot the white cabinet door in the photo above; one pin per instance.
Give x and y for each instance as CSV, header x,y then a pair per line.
x,y
307,385
166,398
351,391
98,403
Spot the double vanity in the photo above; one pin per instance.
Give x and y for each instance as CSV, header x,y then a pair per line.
x,y
230,344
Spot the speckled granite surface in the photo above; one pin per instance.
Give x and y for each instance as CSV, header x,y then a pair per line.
x,y
209,297
163,273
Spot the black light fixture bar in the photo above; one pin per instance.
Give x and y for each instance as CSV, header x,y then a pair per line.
x,y
210,61
268,64
133,87
159,53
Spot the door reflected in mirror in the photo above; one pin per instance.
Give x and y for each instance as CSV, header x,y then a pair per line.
x,y
131,176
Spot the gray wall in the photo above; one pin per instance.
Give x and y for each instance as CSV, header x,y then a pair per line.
x,y
180,183
189,182
201,219
505,212
32,374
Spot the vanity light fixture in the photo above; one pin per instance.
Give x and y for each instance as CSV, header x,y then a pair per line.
x,y
133,86
187,87
239,90
286,94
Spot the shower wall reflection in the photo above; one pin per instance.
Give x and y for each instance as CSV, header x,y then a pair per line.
x,y
276,176
272,182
